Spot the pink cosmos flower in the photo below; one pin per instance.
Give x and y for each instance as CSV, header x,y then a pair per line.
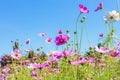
x,y
62,39
3,77
90,59
16,54
56,55
83,9
80,61
48,40
27,41
37,66
67,53
42,34
59,31
51,61
118,43
68,36
114,53
6,70
101,35
46,64
34,74
100,6
102,49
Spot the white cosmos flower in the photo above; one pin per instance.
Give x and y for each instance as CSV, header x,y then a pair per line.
x,y
112,16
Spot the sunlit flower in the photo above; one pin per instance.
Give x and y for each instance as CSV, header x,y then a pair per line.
x,y
61,39
27,41
100,6
111,16
16,54
102,49
42,34
48,40
83,9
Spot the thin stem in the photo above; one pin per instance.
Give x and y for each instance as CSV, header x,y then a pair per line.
x,y
77,29
117,5
74,43
107,29
87,37
81,37
77,22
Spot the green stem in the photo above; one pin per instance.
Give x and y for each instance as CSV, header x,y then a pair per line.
x,y
112,42
117,5
77,29
74,43
107,28
77,22
81,37
87,37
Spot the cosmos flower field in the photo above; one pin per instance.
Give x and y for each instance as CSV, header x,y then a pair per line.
x,y
100,62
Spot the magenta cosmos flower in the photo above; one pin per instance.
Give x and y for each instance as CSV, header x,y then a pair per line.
x,y
100,6
59,31
48,40
101,35
27,41
16,54
83,9
114,53
62,39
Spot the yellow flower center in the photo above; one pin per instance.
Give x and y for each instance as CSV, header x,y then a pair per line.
x,y
111,17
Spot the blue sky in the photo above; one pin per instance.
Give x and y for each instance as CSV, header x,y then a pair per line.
x,y
22,19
